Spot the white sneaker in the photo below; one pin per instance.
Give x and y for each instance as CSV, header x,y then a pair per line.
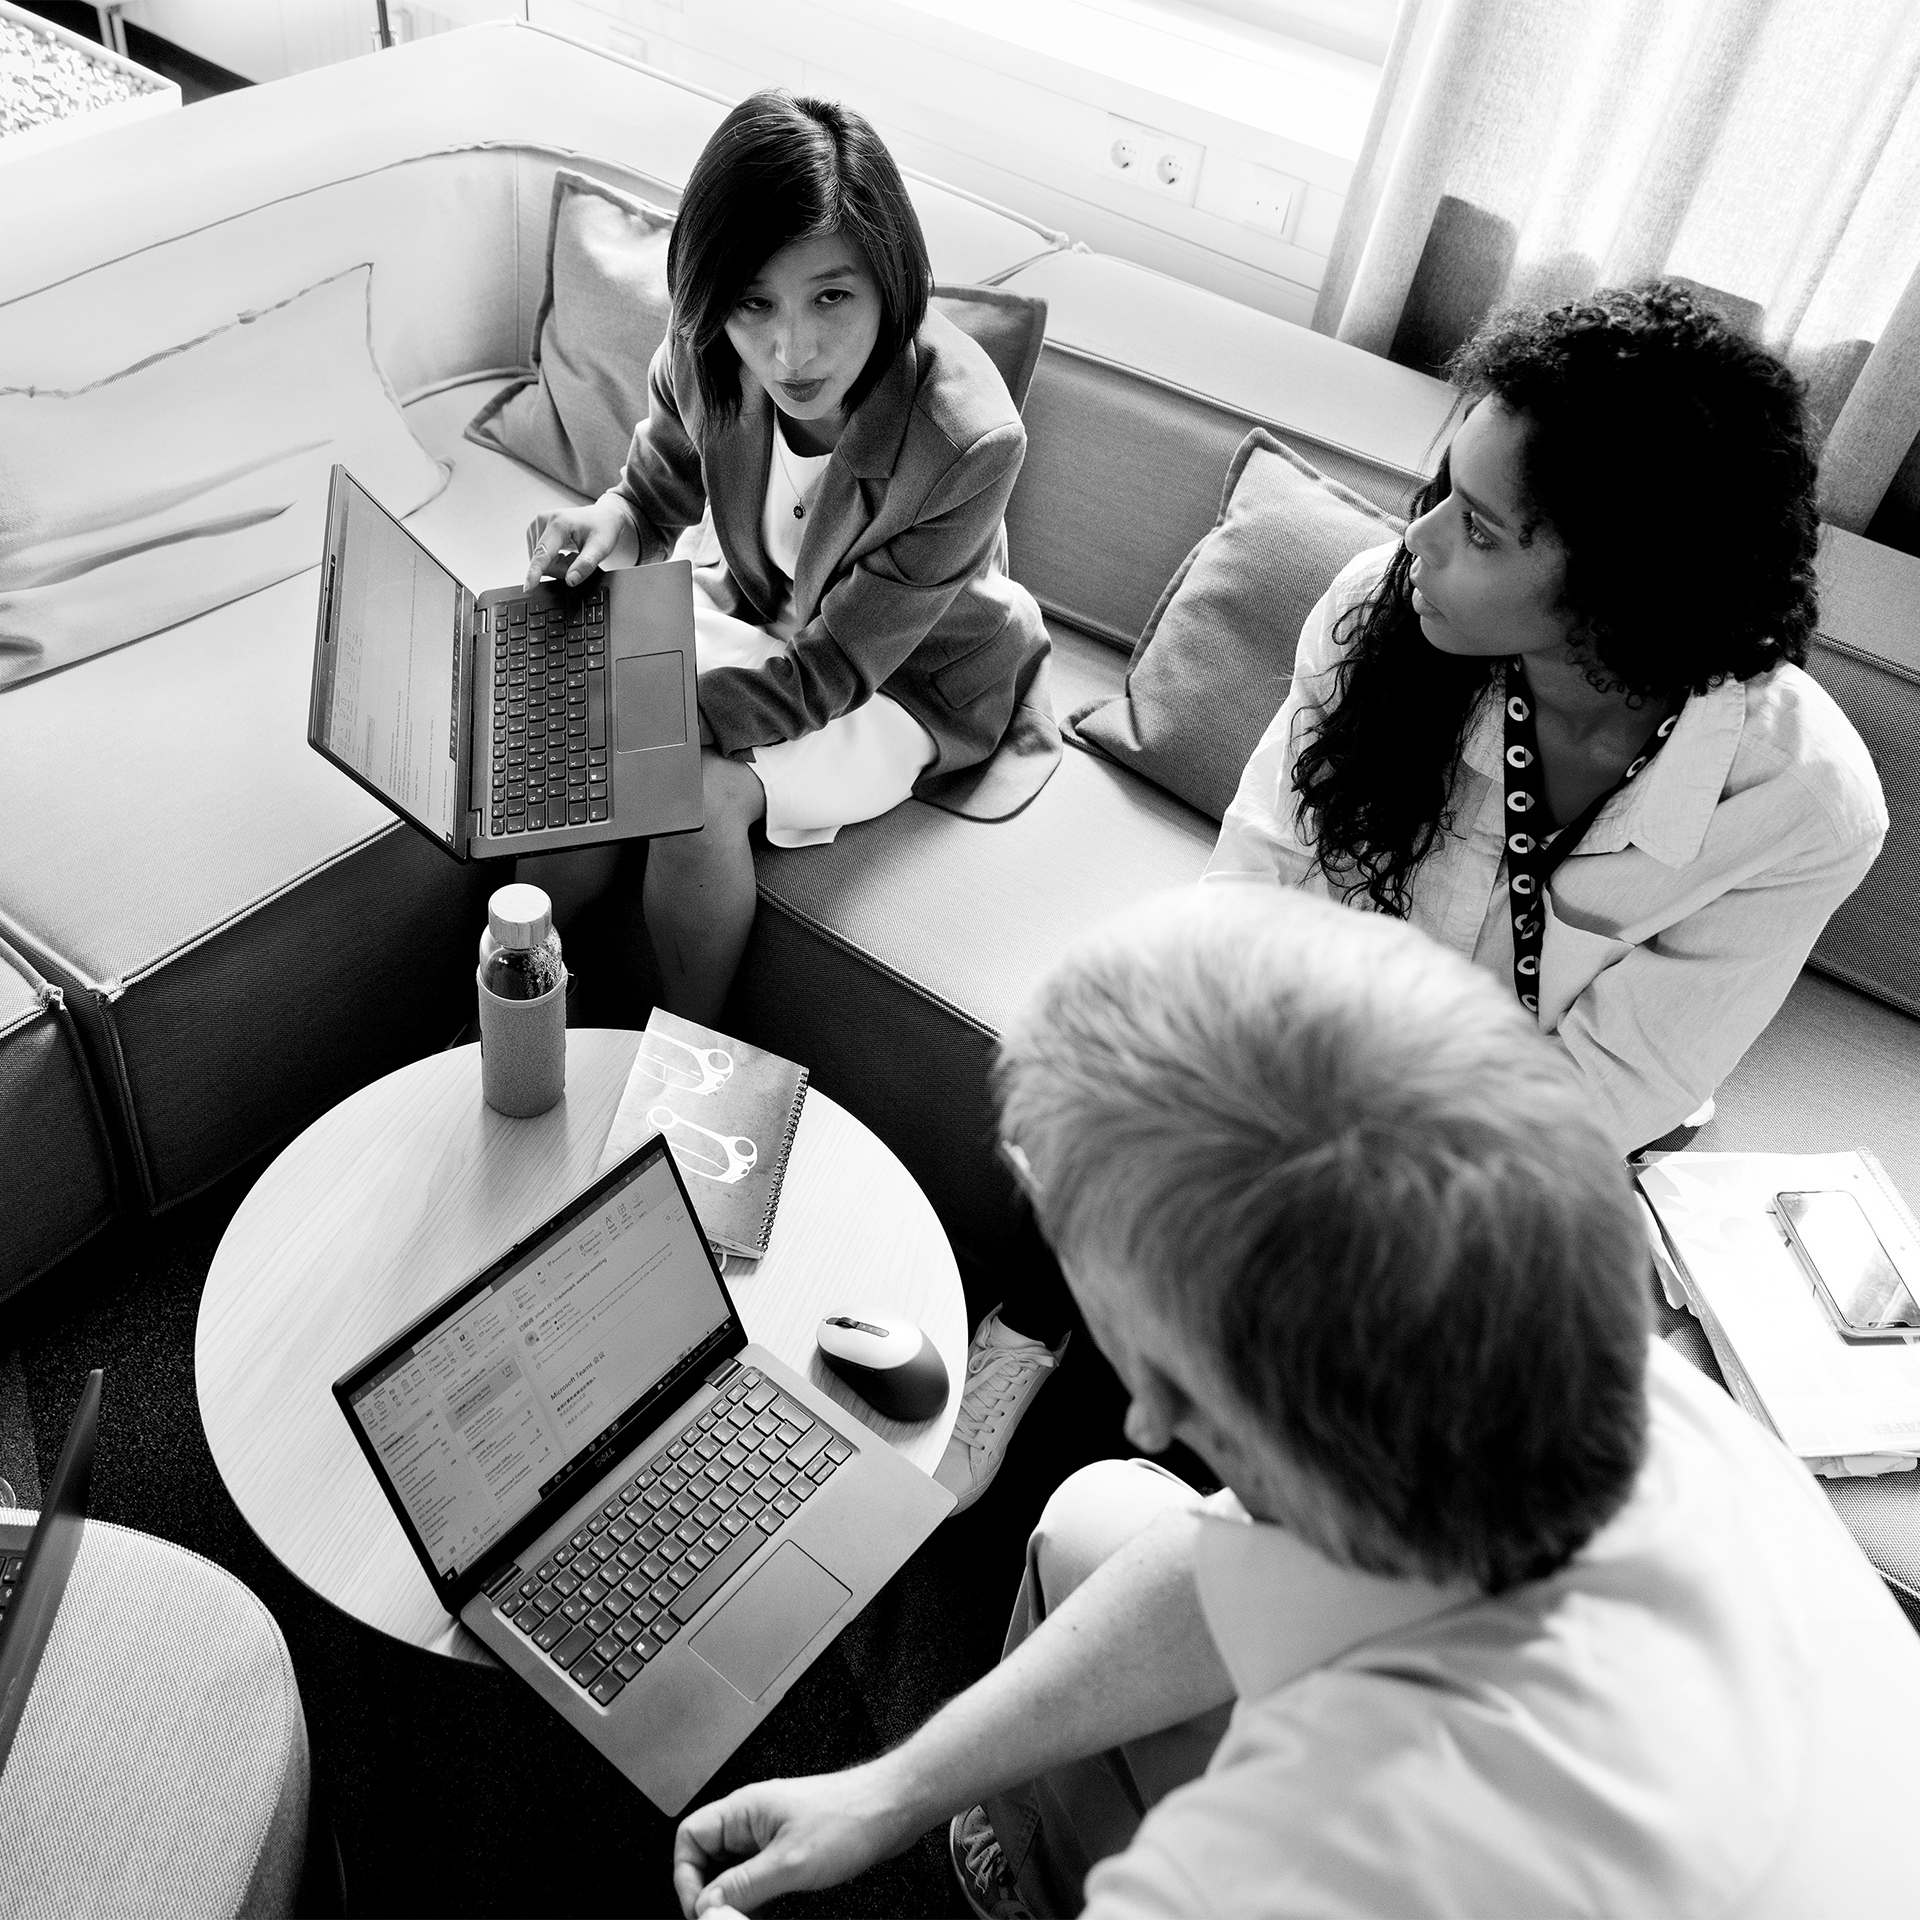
x,y
1004,1371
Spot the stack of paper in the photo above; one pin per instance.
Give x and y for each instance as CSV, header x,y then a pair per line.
x,y
1845,1406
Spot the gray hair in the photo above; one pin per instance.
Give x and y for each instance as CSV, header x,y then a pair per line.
x,y
1348,1166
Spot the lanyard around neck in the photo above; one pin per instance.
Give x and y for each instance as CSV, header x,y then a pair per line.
x,y
1532,857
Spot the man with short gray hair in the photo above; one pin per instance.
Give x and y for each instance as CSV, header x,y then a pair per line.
x,y
1500,1610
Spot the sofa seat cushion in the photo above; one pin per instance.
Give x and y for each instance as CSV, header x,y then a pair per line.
x,y
243,935
59,1172
890,960
1835,1069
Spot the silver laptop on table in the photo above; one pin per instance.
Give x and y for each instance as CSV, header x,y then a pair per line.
x,y
655,1523
505,722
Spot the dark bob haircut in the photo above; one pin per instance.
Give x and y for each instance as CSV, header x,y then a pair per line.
x,y
1670,456
782,168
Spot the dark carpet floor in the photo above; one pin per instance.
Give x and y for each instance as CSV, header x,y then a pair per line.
x,y
453,1790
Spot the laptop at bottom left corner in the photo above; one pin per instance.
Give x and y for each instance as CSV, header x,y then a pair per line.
x,y
35,1562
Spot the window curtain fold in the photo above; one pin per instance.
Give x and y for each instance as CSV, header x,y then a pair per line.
x,y
1765,151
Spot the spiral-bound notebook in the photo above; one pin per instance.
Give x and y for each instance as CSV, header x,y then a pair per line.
x,y
728,1110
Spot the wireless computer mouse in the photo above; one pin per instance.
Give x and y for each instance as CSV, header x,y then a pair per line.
x,y
887,1361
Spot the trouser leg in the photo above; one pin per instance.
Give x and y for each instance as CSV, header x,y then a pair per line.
x,y
1052,1830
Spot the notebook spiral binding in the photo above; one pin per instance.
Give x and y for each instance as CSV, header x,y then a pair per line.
x,y
780,1161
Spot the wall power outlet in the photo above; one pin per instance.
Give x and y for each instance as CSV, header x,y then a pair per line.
x,y
1162,164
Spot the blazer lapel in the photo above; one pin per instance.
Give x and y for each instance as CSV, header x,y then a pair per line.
x,y
843,509
734,460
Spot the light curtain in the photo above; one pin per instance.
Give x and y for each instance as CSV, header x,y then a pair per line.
x,y
1528,151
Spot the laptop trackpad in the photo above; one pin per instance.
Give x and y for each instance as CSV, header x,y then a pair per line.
x,y
649,701
754,1638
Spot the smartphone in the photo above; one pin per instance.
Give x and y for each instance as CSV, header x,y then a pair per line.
x,y
1853,1272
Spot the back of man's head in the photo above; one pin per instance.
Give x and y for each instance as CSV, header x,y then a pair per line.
x,y
1346,1165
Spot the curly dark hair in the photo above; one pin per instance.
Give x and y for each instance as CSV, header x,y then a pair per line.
x,y
1670,455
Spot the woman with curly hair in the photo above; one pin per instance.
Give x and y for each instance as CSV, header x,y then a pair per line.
x,y
1563,726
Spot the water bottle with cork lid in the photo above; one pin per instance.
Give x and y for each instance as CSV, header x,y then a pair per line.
x,y
523,1004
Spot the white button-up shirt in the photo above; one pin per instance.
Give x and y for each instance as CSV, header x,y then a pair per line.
x,y
1676,927
1707,1715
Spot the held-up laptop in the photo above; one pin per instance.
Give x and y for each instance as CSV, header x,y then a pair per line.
x,y
506,722
35,1562
655,1523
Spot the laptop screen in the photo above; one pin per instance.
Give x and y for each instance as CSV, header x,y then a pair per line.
x,y
523,1377
392,715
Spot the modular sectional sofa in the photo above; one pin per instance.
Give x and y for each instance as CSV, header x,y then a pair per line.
x,y
211,935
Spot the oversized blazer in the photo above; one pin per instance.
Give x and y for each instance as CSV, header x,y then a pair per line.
x,y
901,585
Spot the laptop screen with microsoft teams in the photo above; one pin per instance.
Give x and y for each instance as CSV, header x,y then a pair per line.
x,y
391,713
494,1400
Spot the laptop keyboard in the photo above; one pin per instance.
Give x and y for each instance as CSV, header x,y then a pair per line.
x,y
604,1604
550,714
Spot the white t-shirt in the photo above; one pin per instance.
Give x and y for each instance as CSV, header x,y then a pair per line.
x,y
1708,1715
792,481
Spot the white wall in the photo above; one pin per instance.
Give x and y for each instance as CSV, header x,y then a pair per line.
x,y
1010,99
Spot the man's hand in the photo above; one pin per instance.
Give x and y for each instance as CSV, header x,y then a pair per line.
x,y
598,534
788,1834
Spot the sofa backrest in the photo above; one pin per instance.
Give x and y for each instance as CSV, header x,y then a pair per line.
x,y
1867,655
435,162
1146,388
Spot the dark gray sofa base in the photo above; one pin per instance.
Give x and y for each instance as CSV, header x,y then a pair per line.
x,y
314,1007
56,1169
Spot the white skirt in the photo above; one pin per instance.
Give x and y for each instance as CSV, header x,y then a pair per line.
x,y
856,767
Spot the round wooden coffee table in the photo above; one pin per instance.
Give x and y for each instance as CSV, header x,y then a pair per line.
x,y
414,1183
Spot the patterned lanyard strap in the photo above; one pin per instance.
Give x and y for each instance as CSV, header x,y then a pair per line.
x,y
1531,858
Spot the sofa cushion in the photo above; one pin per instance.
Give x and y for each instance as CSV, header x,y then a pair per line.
x,y
1010,328
604,310
1216,657
1124,466
243,935
53,1145
189,479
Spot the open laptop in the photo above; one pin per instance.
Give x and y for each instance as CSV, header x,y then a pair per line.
x,y
655,1523
506,722
35,1562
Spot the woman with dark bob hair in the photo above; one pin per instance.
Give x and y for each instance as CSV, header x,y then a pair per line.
x,y
1563,725
834,456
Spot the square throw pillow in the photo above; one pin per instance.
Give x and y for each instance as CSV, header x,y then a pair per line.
x,y
193,477
1011,327
1216,657
604,311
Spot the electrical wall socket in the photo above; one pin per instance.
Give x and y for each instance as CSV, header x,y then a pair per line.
x,y
1161,164
1268,201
